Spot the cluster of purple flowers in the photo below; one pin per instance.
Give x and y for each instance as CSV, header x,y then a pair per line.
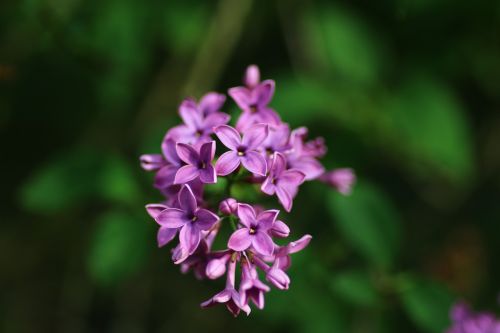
x,y
260,150
466,321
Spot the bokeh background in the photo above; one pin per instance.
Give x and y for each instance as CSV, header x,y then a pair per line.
x,y
405,92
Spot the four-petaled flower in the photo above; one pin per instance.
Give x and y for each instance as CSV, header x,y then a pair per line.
x,y
243,150
254,231
191,219
198,164
283,182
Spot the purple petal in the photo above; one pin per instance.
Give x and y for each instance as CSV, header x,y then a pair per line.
x,y
155,209
284,198
299,244
241,96
252,76
228,136
263,243
268,186
170,152
214,120
246,214
264,92
291,178
165,176
211,102
189,238
227,163
205,219
255,135
165,235
278,164
254,162
280,229
240,240
171,218
207,152
187,153
309,166
189,113
150,162
208,175
186,174
267,218
187,200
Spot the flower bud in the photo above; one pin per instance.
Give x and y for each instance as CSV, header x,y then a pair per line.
x,y
278,278
340,179
280,229
252,76
228,206
151,162
217,267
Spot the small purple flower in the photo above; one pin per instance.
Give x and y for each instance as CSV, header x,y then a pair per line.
x,y
277,140
466,321
198,164
251,287
243,150
274,274
229,295
198,125
340,179
254,231
300,158
211,103
228,206
282,182
191,219
165,234
254,99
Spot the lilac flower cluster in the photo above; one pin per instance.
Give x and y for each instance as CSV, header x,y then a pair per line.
x,y
466,321
261,151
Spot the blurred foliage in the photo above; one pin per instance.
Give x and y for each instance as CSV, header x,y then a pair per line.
x,y
406,93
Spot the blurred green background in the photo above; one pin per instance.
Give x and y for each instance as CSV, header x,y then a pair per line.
x,y
405,92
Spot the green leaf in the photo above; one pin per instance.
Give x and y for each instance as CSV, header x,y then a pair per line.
x,y
355,287
369,222
428,121
347,45
118,247
118,181
427,303
65,181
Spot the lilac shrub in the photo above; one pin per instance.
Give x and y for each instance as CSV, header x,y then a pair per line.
x,y
260,151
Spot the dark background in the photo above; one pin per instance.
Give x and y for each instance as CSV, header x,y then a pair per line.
x,y
405,92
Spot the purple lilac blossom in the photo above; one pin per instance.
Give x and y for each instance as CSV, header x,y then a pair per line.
x,y
243,150
464,320
278,159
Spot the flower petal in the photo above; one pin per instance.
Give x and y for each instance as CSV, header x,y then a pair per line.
x,y
169,151
165,176
311,167
207,152
171,218
190,114
211,102
264,92
255,135
240,240
187,200
252,76
278,164
284,198
186,174
214,120
246,214
165,235
299,244
280,229
189,238
187,153
208,175
150,162
254,162
227,163
155,209
205,219
263,243
291,178
241,96
228,136
268,187
267,218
